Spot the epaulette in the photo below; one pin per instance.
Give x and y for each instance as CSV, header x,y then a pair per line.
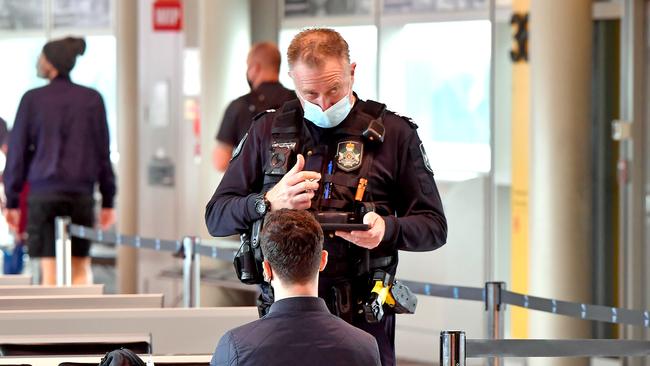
x,y
407,119
259,115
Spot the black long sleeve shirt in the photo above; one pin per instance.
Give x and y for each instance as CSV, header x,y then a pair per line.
x,y
59,143
401,183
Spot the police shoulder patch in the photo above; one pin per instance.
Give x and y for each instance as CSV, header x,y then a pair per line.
x,y
427,164
349,155
240,145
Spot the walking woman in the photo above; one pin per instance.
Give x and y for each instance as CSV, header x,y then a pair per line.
x,y
59,146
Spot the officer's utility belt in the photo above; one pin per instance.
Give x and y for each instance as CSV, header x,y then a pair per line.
x,y
345,300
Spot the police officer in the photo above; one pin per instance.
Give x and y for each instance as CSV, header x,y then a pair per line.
x,y
332,151
59,144
263,67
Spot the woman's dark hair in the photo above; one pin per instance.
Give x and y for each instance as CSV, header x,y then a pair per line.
x,y
292,242
62,53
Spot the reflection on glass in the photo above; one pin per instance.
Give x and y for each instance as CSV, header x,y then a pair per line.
x,y
319,8
444,87
96,69
81,13
363,50
430,6
17,72
21,14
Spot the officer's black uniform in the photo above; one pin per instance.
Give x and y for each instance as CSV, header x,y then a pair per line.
x,y
400,184
240,112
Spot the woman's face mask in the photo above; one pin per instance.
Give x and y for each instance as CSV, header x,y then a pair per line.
x,y
332,116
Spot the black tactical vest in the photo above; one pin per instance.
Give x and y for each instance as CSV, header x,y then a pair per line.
x,y
350,152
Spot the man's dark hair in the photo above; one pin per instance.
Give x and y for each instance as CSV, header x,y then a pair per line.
x,y
292,241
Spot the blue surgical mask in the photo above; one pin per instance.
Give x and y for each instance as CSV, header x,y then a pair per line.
x,y
331,117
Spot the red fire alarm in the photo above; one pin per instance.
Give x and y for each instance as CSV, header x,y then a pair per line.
x,y
167,15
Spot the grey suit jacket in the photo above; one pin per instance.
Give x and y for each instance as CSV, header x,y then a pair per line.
x,y
297,331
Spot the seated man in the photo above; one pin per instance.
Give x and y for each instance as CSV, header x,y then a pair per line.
x,y
299,329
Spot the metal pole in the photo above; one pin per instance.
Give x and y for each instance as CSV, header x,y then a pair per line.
x,y
490,195
495,319
196,281
188,249
632,167
63,247
452,348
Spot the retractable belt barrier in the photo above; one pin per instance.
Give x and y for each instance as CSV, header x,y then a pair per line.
x,y
479,348
455,348
175,246
451,292
575,310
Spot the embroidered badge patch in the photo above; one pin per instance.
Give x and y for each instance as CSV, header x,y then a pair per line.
x,y
349,155
427,164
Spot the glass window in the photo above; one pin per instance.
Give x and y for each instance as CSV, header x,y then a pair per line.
x,y
362,41
319,8
21,47
431,6
21,14
443,84
81,13
17,72
96,69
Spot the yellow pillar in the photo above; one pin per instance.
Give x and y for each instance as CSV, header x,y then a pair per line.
x,y
520,175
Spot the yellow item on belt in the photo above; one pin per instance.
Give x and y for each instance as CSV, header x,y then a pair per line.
x,y
383,293
397,296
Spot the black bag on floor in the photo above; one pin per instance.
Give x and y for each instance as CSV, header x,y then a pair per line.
x,y
121,357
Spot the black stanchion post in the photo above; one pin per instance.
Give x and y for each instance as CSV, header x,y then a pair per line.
x,y
452,348
494,307
63,251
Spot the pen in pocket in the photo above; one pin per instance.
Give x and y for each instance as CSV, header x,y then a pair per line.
x,y
328,185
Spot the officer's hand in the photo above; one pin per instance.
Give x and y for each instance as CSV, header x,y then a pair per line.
x,y
367,239
296,189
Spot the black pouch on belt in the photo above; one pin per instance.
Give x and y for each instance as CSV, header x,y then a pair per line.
x,y
340,301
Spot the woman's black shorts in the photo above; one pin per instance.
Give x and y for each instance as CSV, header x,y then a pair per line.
x,y
41,211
